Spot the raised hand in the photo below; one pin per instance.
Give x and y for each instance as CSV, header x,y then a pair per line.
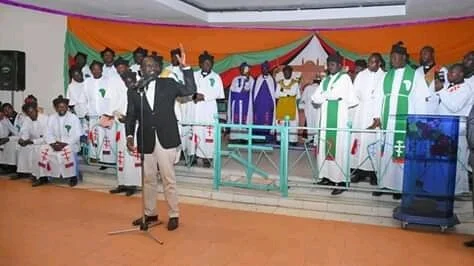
x,y
182,58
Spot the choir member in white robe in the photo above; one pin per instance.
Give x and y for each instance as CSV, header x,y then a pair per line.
x,y
312,111
366,86
425,76
108,56
288,95
11,124
76,95
138,56
264,95
468,63
203,109
128,162
99,95
174,71
58,158
80,60
398,99
456,99
240,104
32,137
336,96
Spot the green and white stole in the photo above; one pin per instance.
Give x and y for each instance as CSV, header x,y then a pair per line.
x,y
402,108
331,117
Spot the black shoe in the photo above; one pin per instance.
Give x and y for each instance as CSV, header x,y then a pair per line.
x,y
397,196
119,189
325,182
130,190
377,193
40,181
356,178
206,163
73,181
173,223
102,168
16,177
338,191
469,244
148,220
373,180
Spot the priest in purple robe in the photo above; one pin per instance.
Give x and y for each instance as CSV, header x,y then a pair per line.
x,y
264,101
239,109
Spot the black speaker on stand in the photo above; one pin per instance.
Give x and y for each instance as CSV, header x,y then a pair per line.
x,y
12,71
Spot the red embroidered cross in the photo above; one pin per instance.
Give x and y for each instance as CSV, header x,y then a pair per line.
x,y
209,131
106,143
66,155
120,157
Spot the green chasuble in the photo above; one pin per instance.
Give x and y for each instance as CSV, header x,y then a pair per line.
x,y
331,118
402,108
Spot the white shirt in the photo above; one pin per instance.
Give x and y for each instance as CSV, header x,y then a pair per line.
x,y
150,94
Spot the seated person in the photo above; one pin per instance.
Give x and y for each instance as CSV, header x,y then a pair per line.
x,y
32,137
57,158
8,138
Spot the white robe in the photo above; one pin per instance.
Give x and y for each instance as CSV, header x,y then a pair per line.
x,y
109,71
342,90
128,163
201,142
391,172
28,156
86,72
431,103
8,152
101,95
293,91
176,73
137,69
366,87
62,163
312,112
457,100
77,97
239,84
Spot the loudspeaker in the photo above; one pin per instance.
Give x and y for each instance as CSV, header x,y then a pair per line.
x,y
12,71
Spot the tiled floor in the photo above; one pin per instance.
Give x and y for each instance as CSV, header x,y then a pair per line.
x,y
52,225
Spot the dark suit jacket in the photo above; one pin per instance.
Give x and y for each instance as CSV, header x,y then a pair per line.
x,y
162,119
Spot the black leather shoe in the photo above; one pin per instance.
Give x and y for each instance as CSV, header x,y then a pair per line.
x,y
469,244
338,191
377,193
397,196
130,190
356,178
148,220
73,181
119,189
173,223
40,181
373,180
325,182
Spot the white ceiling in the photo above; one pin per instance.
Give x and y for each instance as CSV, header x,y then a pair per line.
x,y
314,13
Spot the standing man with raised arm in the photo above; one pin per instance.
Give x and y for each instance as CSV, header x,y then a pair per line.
x,y
161,136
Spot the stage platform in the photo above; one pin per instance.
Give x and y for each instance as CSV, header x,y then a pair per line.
x,y
54,225
304,200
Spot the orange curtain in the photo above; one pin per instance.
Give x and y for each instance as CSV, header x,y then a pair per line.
x,y
451,39
125,37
